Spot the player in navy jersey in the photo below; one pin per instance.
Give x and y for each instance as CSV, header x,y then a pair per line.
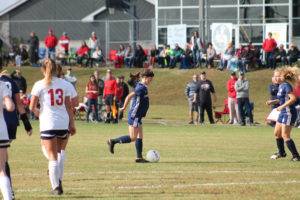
x,y
11,118
137,111
285,77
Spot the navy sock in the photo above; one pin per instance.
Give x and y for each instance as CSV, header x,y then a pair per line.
x,y
7,171
139,147
123,139
280,145
291,145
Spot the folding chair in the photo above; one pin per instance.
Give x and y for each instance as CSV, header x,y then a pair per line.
x,y
222,116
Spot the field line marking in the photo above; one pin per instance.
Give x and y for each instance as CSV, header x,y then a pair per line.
x,y
140,187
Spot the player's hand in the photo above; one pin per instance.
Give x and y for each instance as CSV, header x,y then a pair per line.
x,y
72,130
29,133
115,98
279,108
194,101
269,102
37,112
122,109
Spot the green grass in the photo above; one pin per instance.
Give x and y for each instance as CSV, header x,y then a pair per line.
x,y
189,155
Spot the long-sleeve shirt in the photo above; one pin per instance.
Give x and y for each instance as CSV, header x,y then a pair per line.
x,y
242,88
210,53
64,42
83,50
177,52
269,45
94,42
293,53
110,87
230,87
120,92
50,41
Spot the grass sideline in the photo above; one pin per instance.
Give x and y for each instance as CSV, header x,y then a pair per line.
x,y
197,162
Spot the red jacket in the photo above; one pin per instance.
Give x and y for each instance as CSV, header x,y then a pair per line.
x,y
269,45
64,42
230,87
82,50
120,92
110,87
50,41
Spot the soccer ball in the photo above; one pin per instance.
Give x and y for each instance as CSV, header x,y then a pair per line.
x,y
153,156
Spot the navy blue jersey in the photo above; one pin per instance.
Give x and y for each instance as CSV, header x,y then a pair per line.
x,y
283,97
11,118
140,102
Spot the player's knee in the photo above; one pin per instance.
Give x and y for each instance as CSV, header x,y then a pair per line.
x,y
133,138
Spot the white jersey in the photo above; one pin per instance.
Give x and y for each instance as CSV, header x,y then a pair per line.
x,y
53,112
4,92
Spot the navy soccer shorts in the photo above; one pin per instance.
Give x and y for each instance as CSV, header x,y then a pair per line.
x,y
4,143
135,122
287,119
47,135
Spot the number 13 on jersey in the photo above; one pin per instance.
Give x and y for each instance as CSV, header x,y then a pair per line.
x,y
60,97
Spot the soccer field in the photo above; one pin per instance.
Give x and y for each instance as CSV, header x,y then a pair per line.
x,y
197,162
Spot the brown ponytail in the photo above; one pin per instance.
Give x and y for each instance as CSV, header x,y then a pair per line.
x,y
50,70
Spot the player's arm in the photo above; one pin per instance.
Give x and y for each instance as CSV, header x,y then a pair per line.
x,y
292,99
74,102
127,100
270,102
8,104
33,105
23,115
70,113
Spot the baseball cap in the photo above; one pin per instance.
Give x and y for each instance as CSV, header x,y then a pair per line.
x,y
121,77
203,73
233,73
242,73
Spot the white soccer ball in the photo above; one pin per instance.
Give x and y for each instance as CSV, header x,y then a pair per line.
x,y
153,156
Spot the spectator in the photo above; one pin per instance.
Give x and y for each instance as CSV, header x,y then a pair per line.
x,y
94,42
273,90
226,57
242,94
92,90
279,56
175,56
70,77
21,56
100,84
197,46
120,92
83,53
33,42
1,45
25,101
50,43
16,75
168,56
268,46
96,56
293,54
186,58
11,57
134,78
162,62
232,104
210,55
128,57
153,56
119,59
246,57
109,95
139,57
189,94
296,91
64,44
202,96
125,93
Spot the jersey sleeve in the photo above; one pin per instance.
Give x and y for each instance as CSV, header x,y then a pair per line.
x,y
288,88
73,92
36,91
5,90
139,91
15,88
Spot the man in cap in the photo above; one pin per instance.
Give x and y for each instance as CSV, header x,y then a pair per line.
x,y
50,43
232,105
70,77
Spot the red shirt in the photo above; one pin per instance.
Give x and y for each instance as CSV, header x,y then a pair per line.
x,y
92,87
230,87
269,45
25,102
82,50
120,93
64,42
297,91
50,41
110,87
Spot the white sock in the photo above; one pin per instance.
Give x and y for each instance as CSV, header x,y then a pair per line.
x,y
5,188
45,152
62,163
54,174
58,164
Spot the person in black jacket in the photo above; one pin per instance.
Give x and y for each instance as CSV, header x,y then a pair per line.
x,y
16,75
273,90
279,56
21,56
293,54
139,56
246,57
33,42
125,93
1,45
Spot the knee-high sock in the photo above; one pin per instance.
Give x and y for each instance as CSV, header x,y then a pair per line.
x,y
122,139
7,171
54,174
45,152
5,188
139,147
292,147
61,163
280,145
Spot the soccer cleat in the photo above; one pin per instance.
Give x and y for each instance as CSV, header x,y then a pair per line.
x,y
56,191
295,158
60,187
191,122
141,160
111,145
275,156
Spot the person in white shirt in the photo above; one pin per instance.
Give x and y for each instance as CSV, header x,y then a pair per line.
x,y
55,115
94,42
4,140
97,56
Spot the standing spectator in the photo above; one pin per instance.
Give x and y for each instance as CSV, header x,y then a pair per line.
x,y
189,93
296,91
246,57
125,93
268,46
109,94
96,56
242,94
83,53
273,90
1,45
33,42
153,56
186,58
70,77
120,92
100,84
175,56
232,104
279,56
119,59
293,54
94,42
50,43
64,43
210,55
203,90
139,57
16,75
92,90
128,57
226,57
197,46
21,56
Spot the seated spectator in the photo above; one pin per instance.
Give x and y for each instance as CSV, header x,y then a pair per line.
x,y
119,59
175,56
168,55
246,57
238,55
21,56
279,56
186,58
210,55
11,57
139,57
293,54
226,56
96,56
153,56
162,57
128,57
61,55
83,53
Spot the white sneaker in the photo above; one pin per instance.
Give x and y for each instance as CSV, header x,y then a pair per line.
x,y
275,156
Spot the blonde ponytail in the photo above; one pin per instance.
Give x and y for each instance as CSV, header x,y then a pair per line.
x,y
50,70
289,74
